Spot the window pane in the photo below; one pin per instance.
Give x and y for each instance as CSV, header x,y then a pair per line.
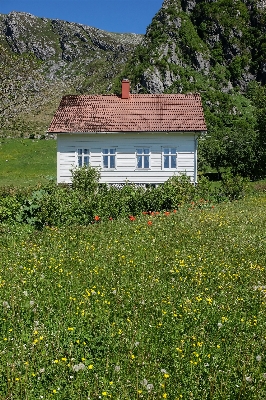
x,y
173,150
173,161
112,151
79,152
86,160
146,151
86,151
139,161
112,161
105,151
146,161
139,151
166,151
80,161
105,161
166,162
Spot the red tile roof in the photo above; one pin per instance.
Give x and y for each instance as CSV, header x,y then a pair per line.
x,y
139,113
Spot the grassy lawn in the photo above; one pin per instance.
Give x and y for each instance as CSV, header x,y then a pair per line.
x,y
166,306
26,162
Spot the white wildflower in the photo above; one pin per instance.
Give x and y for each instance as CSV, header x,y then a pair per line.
x,y
149,387
5,304
248,379
78,367
258,358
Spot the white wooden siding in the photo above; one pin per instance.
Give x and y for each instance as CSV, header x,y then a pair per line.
x,y
126,145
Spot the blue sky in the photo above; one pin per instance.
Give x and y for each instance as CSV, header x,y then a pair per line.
x,y
111,15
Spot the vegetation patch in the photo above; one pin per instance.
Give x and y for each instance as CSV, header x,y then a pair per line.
x,y
163,305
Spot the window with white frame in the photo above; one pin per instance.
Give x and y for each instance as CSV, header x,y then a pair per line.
x,y
169,157
143,158
83,157
109,158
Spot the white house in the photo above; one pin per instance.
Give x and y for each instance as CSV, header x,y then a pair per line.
x,y
140,138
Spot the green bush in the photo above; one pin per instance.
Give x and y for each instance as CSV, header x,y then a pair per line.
x,y
233,186
88,201
85,179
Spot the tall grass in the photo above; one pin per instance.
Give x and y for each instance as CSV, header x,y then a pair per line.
x,y
170,305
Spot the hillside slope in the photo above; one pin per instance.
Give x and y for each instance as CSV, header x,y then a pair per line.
x,y
217,48
42,59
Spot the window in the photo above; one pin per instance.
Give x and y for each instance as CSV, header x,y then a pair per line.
x,y
83,157
169,158
109,158
143,158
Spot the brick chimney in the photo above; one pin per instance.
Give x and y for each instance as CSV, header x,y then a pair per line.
x,y
125,89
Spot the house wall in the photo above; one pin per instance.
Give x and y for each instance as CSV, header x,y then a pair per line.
x,y
126,145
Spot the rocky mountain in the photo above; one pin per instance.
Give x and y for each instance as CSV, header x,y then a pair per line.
x,y
217,48
42,59
223,40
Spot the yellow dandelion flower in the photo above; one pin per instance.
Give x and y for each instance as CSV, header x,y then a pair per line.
x,y
90,366
70,329
166,376
165,395
104,393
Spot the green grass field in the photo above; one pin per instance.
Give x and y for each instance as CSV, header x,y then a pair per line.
x,y
167,306
26,162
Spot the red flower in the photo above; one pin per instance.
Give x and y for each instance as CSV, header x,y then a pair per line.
x,y
97,218
149,222
132,218
167,213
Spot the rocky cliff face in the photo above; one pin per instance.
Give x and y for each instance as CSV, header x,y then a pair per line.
x,y
216,48
223,40
42,59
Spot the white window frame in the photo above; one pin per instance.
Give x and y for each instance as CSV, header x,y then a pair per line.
x,y
143,155
111,152
170,154
83,155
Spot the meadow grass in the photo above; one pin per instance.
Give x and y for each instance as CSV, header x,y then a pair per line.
x,y
166,306
26,162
